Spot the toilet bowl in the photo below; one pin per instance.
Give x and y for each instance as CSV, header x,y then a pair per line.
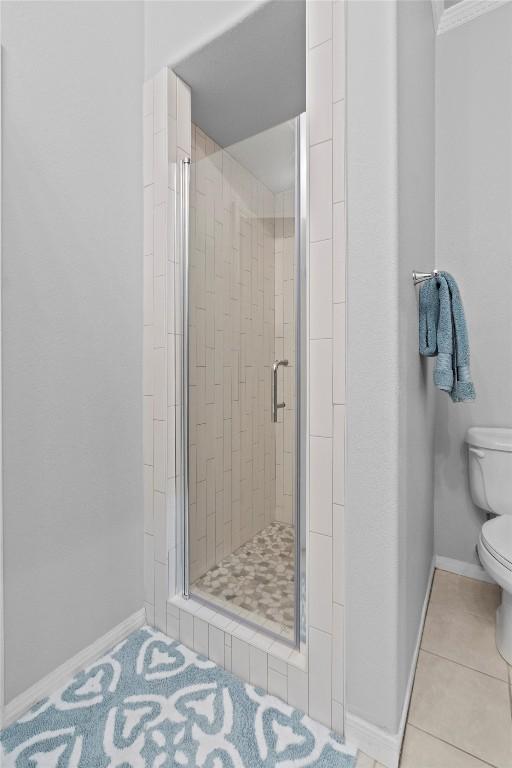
x,y
495,552
490,481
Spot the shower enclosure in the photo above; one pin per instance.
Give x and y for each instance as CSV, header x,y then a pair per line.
x,y
242,235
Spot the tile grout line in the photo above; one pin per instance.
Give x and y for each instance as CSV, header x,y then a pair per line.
x,y
480,616
454,746
463,610
464,666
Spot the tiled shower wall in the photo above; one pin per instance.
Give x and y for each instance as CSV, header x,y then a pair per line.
x,y
315,681
231,333
285,342
166,141
326,110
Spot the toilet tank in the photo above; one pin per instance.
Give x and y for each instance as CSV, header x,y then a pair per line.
x,y
490,468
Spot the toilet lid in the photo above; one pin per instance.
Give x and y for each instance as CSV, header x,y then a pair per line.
x,y
497,538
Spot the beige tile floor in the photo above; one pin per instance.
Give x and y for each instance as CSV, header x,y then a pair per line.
x,y
461,707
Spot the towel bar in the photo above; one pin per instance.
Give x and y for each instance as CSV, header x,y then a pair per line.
x,y
420,277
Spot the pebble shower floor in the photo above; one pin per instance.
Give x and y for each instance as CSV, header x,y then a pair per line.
x,y
153,703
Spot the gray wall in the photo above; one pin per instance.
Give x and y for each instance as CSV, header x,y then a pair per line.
x,y
474,242
416,135
371,545
72,327
388,525
175,28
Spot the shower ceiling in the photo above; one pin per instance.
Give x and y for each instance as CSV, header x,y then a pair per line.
x,y
269,156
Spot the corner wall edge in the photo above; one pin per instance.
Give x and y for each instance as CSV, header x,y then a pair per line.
x,y
379,744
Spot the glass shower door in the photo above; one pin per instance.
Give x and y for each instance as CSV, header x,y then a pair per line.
x,y
242,379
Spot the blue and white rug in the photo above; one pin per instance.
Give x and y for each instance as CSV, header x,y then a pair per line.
x,y
153,703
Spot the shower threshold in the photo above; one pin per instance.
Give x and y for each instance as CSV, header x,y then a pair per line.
x,y
256,583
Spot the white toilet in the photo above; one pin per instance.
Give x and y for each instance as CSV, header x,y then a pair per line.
x,y
490,479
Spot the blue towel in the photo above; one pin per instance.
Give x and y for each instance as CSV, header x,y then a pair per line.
x,y
443,333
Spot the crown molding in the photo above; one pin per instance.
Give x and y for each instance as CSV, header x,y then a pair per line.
x,y
437,12
461,12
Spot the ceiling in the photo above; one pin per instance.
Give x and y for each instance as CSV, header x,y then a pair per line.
x,y
251,77
270,156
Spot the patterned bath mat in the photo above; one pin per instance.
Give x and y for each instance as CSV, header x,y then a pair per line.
x,y
153,703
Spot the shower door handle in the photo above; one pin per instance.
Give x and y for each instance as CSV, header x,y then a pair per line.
x,y
275,404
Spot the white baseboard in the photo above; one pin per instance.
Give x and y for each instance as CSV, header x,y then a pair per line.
x,y
381,745
472,570
414,661
374,742
52,682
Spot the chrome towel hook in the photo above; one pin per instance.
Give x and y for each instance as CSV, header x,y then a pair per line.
x,y
420,277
